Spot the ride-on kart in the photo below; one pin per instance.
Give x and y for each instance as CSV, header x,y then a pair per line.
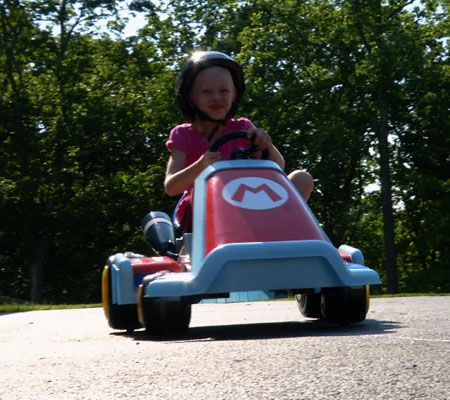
x,y
253,237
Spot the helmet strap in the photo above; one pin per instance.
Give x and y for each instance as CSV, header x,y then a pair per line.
x,y
205,117
213,131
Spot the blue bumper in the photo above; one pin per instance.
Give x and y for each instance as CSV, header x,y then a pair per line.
x,y
268,266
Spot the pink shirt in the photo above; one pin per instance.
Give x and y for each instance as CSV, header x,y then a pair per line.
x,y
186,138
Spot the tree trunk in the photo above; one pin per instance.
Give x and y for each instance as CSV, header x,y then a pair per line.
x,y
37,268
386,193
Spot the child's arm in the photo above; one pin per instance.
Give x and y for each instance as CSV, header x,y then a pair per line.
x,y
178,179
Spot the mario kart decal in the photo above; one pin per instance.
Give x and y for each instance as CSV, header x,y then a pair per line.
x,y
255,193
261,207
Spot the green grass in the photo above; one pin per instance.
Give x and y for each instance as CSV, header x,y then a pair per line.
x,y
11,308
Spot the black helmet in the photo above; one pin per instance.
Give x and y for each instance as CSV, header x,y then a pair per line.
x,y
197,63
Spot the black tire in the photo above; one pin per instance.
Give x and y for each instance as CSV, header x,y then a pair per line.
x,y
164,317
345,305
119,316
309,305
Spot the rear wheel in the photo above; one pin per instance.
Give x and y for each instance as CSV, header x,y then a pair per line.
x,y
119,316
309,305
345,305
163,317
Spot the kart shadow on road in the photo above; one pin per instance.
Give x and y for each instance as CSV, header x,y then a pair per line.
x,y
274,330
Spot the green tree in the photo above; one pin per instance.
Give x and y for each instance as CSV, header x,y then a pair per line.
x,y
74,127
423,161
18,130
356,92
397,42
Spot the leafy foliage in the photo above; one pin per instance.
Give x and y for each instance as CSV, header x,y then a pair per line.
x,y
84,117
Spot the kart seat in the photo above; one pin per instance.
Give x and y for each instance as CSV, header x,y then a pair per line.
x,y
182,216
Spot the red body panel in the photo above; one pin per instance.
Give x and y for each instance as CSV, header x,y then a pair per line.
x,y
150,265
345,256
258,208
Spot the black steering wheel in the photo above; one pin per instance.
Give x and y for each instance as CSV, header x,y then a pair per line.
x,y
239,154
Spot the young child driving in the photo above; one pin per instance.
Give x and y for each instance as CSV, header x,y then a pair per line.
x,y
209,89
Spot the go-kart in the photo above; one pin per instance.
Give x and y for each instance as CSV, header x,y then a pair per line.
x,y
253,238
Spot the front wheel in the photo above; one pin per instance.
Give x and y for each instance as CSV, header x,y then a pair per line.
x,y
119,316
163,317
345,305
309,305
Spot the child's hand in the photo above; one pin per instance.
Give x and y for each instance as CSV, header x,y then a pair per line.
x,y
259,138
208,158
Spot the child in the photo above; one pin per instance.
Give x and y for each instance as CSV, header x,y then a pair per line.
x,y
209,89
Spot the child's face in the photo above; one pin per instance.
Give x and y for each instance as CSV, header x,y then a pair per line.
x,y
213,92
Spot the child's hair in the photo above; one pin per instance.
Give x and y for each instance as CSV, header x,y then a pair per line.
x,y
198,62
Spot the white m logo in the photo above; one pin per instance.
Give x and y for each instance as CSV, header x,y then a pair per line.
x,y
254,193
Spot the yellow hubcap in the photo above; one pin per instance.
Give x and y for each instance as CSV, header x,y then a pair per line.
x,y
140,308
105,291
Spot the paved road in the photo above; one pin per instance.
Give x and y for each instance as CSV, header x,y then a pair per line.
x,y
262,350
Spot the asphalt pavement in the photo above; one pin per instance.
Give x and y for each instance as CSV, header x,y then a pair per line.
x,y
262,350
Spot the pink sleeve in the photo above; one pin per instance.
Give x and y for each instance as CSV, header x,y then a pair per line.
x,y
243,124
177,140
